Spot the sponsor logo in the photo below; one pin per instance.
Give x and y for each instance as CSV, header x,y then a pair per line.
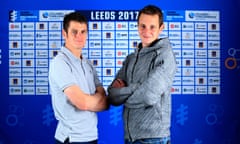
x,y
121,53
14,36
175,35
201,26
28,71
174,26
41,90
95,53
201,89
200,35
213,27
202,16
54,26
214,80
187,26
15,63
122,35
15,90
28,35
42,44
41,35
14,72
28,90
133,26
14,26
52,15
15,81
108,44
108,53
14,54
214,35
214,90
214,63
201,54
188,53
95,44
122,26
28,26
188,90
55,35
187,35
13,15
133,35
188,71
201,62
108,25
41,72
176,89
41,62
28,81
28,44
42,81
201,71
94,35
108,62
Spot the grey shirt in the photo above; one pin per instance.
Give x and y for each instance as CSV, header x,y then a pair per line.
x,y
149,74
66,70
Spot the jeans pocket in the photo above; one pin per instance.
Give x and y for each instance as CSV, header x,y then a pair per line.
x,y
154,141
150,141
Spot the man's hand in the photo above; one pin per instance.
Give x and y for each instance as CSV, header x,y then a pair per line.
x,y
118,83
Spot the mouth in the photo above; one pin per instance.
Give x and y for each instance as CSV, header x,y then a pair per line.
x,y
146,36
79,41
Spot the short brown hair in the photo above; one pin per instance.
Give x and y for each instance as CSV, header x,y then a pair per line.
x,y
151,10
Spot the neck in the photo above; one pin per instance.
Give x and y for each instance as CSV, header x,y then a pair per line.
x,y
75,51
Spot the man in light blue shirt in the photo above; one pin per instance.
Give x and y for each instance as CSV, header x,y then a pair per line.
x,y
77,93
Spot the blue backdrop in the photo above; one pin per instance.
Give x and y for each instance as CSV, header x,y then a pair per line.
x,y
196,119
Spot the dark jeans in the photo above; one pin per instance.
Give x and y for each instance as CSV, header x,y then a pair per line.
x,y
165,140
67,142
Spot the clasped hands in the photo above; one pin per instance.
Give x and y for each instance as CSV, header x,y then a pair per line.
x,y
118,83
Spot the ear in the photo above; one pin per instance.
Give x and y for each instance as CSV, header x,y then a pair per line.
x,y
64,33
162,26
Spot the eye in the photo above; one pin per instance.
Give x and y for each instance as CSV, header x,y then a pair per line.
x,y
83,32
74,32
142,26
152,27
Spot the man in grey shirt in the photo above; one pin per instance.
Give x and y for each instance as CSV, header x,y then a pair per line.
x,y
144,82
77,93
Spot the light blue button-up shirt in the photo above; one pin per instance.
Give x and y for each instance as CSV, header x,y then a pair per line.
x,y
66,70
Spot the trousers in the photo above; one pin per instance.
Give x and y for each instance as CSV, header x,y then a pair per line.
x,y
165,140
67,142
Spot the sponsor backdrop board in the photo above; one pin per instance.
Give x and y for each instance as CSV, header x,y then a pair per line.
x,y
203,35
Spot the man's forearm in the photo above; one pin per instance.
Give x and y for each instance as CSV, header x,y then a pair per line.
x,y
98,102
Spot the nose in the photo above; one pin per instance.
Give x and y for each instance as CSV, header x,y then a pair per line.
x,y
79,35
146,30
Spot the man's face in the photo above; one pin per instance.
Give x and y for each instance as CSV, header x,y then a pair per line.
x,y
76,36
149,29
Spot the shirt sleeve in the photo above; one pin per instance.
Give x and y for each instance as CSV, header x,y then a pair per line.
x,y
159,81
118,96
61,73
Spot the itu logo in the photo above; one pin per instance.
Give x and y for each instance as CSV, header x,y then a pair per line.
x,y
45,15
191,15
